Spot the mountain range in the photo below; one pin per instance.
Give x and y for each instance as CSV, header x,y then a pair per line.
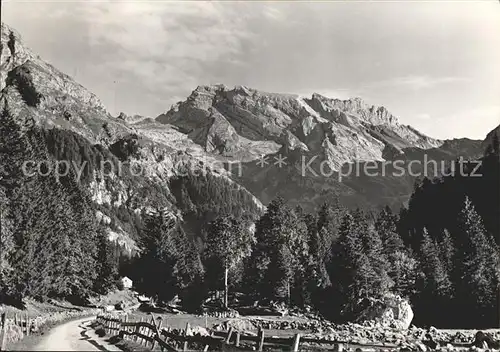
x,y
240,133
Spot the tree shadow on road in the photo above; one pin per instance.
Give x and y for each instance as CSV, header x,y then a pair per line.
x,y
86,337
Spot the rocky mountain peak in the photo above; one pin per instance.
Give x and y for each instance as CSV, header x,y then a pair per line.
x,y
131,119
244,121
375,115
12,52
50,82
27,81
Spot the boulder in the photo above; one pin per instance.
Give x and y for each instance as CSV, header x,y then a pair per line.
x,y
197,331
390,311
240,324
485,341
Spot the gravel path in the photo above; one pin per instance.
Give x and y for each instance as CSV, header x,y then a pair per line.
x,y
75,335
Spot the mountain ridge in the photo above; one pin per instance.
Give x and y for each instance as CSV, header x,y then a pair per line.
x,y
231,121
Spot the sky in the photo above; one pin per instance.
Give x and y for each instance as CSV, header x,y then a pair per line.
x,y
433,64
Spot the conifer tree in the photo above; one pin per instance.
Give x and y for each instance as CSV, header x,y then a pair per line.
x,y
228,242
437,282
278,256
447,252
386,227
327,227
478,287
351,272
168,263
434,285
107,267
400,264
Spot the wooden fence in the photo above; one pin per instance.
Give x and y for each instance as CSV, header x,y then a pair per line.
x,y
3,326
24,322
151,334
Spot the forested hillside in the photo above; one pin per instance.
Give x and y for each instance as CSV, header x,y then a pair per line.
x,y
339,260
52,245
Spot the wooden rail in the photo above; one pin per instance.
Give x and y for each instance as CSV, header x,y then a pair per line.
x,y
149,334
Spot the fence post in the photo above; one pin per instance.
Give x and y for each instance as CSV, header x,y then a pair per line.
x,y
140,331
154,332
136,331
27,325
229,333
296,341
22,325
124,329
2,332
238,335
260,335
158,332
185,345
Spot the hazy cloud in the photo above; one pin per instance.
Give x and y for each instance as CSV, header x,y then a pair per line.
x,y
417,82
472,121
423,116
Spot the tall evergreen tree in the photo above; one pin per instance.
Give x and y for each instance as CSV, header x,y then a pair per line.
x,y
437,281
168,263
107,264
353,276
228,241
401,265
280,250
386,227
434,286
479,284
448,252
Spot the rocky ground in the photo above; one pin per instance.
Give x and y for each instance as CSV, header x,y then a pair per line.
x,y
369,334
386,321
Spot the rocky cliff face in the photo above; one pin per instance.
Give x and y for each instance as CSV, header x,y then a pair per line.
x,y
33,88
244,121
492,140
12,53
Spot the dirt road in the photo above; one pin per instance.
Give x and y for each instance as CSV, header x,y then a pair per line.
x,y
75,335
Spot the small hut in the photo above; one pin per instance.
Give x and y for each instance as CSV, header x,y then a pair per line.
x,y
126,282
